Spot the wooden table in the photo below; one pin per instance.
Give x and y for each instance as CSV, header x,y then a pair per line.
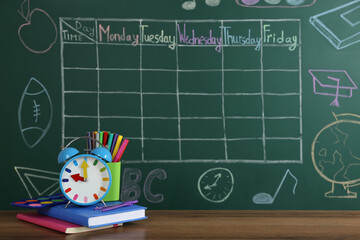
x,y
207,225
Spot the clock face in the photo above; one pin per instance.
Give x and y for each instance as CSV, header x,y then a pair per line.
x,y
85,179
216,184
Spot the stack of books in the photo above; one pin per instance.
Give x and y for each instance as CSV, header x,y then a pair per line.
x,y
79,219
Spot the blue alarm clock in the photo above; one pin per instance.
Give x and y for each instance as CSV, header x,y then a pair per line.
x,y
85,179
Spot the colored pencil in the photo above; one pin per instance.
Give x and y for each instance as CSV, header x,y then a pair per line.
x,y
117,145
114,142
105,139
121,151
110,140
101,136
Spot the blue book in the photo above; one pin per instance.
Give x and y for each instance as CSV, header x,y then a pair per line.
x,y
89,217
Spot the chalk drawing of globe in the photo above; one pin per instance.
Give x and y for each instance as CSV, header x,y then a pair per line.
x,y
335,153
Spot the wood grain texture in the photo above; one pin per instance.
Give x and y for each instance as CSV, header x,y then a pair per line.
x,y
214,224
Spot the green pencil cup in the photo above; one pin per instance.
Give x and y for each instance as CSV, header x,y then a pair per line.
x,y
114,192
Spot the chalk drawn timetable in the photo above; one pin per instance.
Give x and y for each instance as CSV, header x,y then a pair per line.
x,y
226,91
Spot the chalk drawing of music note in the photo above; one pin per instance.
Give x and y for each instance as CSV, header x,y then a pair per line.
x,y
191,4
266,198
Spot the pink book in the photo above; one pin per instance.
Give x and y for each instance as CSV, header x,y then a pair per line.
x,y
57,224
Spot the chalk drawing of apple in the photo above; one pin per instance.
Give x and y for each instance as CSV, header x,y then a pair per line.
x,y
39,33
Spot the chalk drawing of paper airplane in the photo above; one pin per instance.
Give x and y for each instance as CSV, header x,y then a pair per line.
x,y
336,83
340,25
38,182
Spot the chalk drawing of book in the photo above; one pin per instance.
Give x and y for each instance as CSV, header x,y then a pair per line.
x,y
340,25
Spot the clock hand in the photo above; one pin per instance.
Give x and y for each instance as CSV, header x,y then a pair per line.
x,y
77,177
84,166
217,176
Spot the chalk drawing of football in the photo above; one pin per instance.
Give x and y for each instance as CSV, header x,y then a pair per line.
x,y
34,113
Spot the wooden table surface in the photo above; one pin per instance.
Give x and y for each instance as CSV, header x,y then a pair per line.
x,y
214,224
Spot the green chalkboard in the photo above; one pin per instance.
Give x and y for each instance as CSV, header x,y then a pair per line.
x,y
236,104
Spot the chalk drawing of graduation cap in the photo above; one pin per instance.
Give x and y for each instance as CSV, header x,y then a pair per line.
x,y
335,83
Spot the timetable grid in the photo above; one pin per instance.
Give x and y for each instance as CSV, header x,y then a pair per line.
x,y
98,78
223,102
177,92
141,100
262,92
223,94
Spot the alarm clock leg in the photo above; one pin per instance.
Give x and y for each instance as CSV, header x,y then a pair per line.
x,y
103,202
67,204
